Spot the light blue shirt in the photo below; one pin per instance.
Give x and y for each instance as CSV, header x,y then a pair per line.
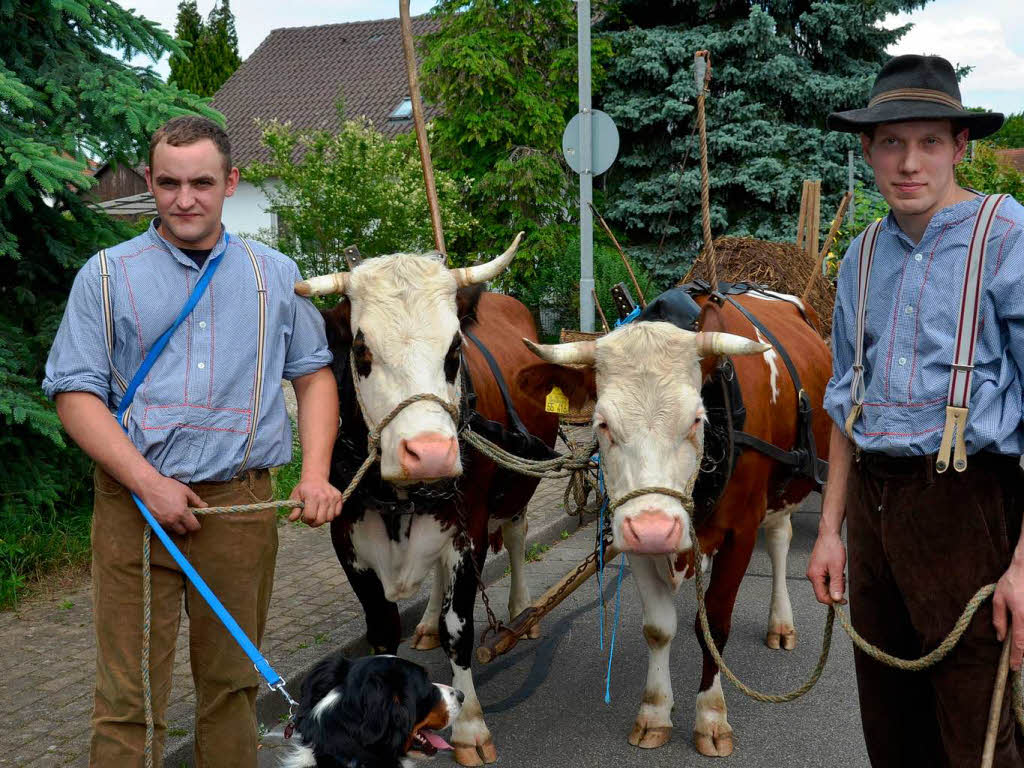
x,y
191,416
912,311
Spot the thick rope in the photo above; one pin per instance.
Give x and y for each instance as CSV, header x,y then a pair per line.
x,y
705,182
910,665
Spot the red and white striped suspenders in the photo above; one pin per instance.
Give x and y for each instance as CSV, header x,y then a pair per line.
x,y
261,333
962,367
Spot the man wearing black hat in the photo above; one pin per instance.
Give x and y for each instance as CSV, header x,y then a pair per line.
x,y
926,396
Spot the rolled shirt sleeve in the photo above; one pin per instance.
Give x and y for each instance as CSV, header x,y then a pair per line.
x,y
844,328
78,359
307,350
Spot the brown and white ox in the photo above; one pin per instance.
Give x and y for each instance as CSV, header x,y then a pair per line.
x,y
649,420
400,324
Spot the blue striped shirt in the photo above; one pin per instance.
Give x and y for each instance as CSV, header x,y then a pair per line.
x,y
191,416
911,321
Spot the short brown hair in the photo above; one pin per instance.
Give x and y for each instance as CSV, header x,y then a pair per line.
x,y
188,129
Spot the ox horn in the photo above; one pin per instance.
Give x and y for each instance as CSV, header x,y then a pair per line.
x,y
570,353
714,343
481,273
323,285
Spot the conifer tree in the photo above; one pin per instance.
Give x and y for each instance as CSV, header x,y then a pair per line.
x,y
188,31
779,67
219,48
67,96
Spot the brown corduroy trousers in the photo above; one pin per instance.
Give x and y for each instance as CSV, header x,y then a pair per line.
x,y
920,545
235,555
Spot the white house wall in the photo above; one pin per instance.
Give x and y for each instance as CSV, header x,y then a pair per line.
x,y
247,212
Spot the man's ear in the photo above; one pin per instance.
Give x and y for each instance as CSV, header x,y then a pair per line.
x,y
232,183
149,179
960,142
865,146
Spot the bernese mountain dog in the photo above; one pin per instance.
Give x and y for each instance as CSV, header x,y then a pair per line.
x,y
373,712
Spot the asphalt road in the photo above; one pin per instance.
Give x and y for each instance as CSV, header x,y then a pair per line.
x,y
544,701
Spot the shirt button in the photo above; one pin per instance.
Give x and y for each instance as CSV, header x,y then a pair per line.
x,y
202,323
909,310
918,257
201,366
902,361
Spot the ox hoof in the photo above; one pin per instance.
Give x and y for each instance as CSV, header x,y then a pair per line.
x,y
534,632
476,754
786,640
649,736
713,745
425,639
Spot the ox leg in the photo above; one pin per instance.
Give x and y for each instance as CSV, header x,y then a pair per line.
x,y
778,532
470,736
653,726
383,624
426,637
513,533
712,734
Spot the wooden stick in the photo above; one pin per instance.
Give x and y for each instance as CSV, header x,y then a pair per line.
x,y
421,128
801,221
814,219
996,708
506,640
600,312
622,255
836,222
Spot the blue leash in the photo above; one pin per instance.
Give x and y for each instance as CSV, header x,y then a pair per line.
x,y
274,680
600,587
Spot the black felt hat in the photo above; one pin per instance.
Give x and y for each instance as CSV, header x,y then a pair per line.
x,y
915,88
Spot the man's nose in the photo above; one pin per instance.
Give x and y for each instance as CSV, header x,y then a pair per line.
x,y
186,196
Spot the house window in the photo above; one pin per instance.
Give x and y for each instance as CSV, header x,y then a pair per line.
x,y
403,111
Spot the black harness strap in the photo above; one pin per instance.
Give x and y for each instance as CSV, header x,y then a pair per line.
x,y
518,440
805,456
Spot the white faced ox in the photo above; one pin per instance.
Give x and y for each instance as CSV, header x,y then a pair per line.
x,y
397,334
649,419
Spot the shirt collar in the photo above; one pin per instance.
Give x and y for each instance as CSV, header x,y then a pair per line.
x,y
220,247
951,213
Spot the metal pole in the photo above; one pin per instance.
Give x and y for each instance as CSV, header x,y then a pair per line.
x,y
849,188
586,172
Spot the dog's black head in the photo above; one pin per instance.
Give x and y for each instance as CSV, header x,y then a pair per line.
x,y
371,713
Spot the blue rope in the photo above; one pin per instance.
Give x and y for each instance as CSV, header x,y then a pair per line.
x,y
600,553
615,626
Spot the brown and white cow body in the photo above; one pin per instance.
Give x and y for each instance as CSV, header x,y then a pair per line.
x,y
400,324
649,419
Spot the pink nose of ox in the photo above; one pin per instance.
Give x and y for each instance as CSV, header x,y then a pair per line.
x,y
652,532
429,456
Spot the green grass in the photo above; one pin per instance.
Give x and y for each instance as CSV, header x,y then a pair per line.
x,y
287,477
177,732
536,552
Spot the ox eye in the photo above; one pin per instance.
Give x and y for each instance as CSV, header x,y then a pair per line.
x,y
452,359
605,431
362,355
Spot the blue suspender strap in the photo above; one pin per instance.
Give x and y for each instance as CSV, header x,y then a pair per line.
x,y
273,679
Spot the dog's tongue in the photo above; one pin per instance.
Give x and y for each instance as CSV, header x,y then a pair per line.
x,y
436,741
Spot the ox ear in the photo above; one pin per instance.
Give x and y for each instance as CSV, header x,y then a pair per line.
x,y
536,380
466,301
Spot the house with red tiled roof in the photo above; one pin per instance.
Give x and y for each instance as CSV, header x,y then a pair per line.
x,y
1014,157
297,74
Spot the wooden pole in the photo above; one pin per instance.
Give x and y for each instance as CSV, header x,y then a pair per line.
x,y
816,273
814,219
622,255
421,128
801,221
504,641
996,708
600,312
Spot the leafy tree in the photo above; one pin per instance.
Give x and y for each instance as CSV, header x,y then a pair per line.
x,y
67,95
505,71
779,67
331,190
985,173
1011,135
212,48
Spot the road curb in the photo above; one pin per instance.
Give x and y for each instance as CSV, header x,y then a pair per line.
x,y
270,706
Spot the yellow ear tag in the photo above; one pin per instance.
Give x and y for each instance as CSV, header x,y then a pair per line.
x,y
556,401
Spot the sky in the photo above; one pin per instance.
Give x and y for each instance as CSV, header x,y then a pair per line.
x,y
985,34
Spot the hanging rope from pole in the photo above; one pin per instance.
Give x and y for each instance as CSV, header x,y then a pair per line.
x,y
702,78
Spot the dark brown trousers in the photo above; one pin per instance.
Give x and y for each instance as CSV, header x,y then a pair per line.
x,y
920,545
235,555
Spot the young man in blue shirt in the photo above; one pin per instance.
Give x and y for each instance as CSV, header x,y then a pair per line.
x,y
203,429
923,539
